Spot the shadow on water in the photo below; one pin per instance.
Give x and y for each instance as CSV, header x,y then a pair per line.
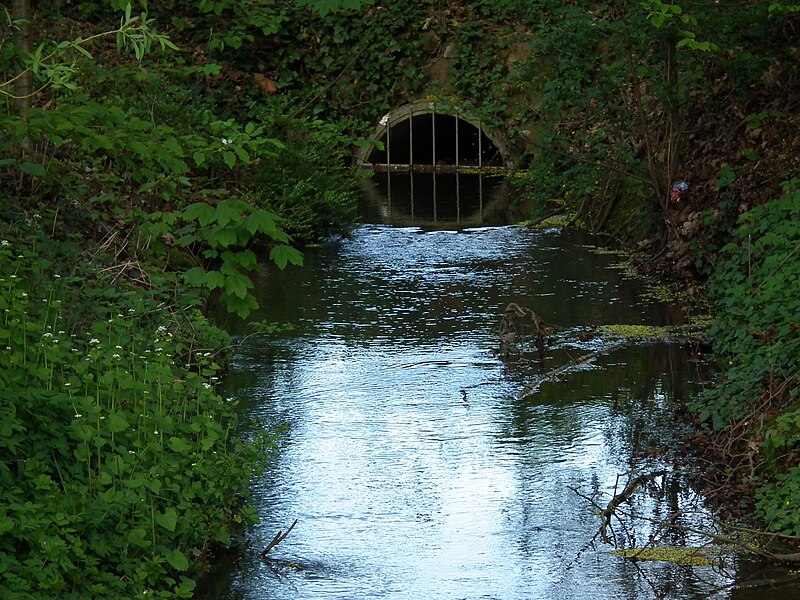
x,y
412,462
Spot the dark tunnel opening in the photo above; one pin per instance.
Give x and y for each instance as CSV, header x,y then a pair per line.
x,y
437,139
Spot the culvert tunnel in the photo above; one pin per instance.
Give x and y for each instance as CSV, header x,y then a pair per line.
x,y
425,137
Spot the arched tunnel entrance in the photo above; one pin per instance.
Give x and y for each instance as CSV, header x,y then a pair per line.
x,y
427,137
435,166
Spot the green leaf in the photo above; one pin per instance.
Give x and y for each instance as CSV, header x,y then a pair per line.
x,y
214,280
283,255
34,169
223,237
237,284
179,445
138,537
264,222
201,212
246,259
117,422
239,306
243,155
195,276
199,158
178,560
168,519
171,144
227,212
229,158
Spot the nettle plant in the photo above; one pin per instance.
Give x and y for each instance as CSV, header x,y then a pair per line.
x,y
119,470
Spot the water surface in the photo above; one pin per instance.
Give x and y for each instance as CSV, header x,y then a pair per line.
x,y
411,459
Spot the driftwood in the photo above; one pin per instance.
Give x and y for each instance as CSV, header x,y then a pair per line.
x,y
556,373
623,496
279,537
735,538
519,322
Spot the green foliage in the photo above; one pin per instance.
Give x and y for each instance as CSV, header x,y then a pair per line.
x,y
323,7
222,234
53,64
756,331
313,198
778,503
553,176
119,468
671,17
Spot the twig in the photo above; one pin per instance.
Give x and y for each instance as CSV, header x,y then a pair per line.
x,y
279,537
627,492
566,368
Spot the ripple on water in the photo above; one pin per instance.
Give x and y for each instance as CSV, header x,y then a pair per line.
x,y
414,468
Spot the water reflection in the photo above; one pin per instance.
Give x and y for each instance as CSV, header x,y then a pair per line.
x,y
414,466
444,200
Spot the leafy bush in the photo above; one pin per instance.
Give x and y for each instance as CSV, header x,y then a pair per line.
x,y
119,469
757,335
755,287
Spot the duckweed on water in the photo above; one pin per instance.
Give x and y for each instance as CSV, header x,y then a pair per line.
x,y
636,333
687,557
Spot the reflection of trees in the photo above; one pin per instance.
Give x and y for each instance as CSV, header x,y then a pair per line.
x,y
639,388
630,396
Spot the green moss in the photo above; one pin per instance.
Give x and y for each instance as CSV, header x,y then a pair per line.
x,y
691,557
636,332
555,221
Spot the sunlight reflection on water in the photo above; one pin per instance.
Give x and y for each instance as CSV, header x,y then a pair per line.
x,y
411,465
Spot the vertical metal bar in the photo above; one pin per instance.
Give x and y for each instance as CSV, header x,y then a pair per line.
x,y
389,189
458,200
435,212
480,196
433,136
411,192
410,139
480,145
388,144
456,142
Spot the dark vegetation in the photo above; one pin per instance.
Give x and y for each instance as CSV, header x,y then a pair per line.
x,y
143,174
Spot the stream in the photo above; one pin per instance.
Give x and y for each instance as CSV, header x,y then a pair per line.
x,y
420,464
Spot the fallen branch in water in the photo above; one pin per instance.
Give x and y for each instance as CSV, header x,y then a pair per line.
x,y
736,538
279,537
555,373
624,495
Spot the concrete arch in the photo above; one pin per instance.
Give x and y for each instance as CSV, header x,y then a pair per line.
x,y
464,142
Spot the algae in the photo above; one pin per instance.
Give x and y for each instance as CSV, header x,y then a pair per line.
x,y
636,332
689,557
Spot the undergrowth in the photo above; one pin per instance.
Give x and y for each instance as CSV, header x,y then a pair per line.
x,y
753,408
120,472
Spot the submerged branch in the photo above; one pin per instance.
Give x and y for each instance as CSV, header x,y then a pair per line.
x,y
279,537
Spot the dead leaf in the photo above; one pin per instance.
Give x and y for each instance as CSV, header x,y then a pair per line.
x,y
265,84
